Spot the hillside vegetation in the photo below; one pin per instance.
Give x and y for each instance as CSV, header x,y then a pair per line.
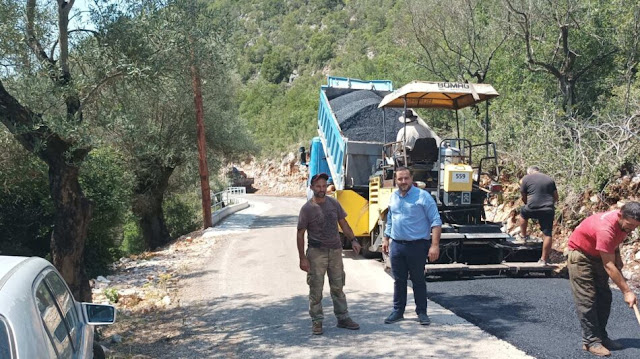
x,y
566,73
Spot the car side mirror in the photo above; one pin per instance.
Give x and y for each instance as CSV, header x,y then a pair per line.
x,y
99,314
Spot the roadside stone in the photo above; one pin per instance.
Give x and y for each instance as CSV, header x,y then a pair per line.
x,y
116,338
100,285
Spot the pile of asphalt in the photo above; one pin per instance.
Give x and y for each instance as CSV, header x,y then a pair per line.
x,y
537,315
360,118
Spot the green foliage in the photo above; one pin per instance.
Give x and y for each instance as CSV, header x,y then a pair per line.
x,y
132,240
111,294
26,213
276,66
320,49
106,183
282,115
180,216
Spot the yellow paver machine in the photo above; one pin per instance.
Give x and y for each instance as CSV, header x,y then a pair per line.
x,y
363,139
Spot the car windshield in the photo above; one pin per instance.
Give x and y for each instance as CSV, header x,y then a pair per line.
x,y
5,339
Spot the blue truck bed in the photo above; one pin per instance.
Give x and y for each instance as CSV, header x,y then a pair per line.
x,y
352,129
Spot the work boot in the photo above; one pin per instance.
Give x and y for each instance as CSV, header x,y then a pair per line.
x,y
423,318
347,323
395,316
316,329
597,349
612,344
520,239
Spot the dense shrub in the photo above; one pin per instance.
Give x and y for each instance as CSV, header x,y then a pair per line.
x,y
132,241
26,215
180,215
107,184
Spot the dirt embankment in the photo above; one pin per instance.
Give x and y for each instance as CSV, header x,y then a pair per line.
x,y
570,213
276,177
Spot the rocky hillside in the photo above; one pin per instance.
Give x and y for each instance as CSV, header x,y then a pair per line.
x,y
277,177
571,213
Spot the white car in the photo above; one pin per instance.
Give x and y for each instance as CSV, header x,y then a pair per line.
x,y
39,318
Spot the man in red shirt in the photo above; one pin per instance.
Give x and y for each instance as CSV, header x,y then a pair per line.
x,y
594,257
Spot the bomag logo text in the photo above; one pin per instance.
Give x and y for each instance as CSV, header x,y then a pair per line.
x,y
452,85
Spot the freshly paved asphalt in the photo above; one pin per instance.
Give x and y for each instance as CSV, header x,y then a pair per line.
x,y
536,315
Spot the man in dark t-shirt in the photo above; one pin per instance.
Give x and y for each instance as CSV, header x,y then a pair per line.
x,y
539,194
319,217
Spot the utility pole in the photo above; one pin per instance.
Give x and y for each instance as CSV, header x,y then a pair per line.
x,y
202,146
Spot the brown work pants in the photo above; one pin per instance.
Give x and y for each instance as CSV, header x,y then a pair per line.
x,y
592,295
329,261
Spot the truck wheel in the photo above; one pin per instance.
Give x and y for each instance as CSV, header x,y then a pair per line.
x,y
346,244
366,243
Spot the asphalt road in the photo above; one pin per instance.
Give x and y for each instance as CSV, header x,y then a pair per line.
x,y
537,315
248,299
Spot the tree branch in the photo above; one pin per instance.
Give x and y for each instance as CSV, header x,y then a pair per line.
x,y
55,43
597,60
90,96
32,39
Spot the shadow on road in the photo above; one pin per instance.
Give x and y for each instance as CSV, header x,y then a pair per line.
x,y
283,220
252,326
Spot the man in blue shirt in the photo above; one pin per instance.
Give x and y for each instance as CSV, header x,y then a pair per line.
x,y
414,226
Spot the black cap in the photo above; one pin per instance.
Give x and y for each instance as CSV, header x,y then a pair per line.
x,y
319,175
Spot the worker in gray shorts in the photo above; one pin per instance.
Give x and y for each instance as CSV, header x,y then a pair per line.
x,y
539,194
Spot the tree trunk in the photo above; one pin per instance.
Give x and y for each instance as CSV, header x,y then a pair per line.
x,y
147,206
71,222
72,208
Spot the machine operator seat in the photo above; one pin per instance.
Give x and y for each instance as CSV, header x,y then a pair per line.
x,y
425,151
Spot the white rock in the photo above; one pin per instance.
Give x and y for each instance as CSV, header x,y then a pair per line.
x,y
166,300
595,198
102,279
638,256
127,291
100,285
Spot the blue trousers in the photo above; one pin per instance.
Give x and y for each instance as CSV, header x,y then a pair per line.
x,y
408,259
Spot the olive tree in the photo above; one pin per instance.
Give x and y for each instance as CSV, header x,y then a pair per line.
x,y
151,116
43,96
573,41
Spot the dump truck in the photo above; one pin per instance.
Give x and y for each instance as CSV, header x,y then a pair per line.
x,y
358,127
